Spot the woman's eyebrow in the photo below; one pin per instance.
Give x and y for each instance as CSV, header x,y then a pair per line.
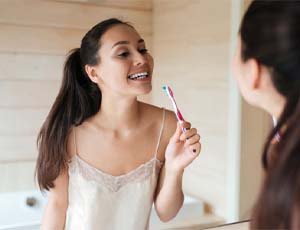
x,y
126,42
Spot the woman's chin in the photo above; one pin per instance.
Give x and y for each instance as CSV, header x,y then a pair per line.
x,y
144,90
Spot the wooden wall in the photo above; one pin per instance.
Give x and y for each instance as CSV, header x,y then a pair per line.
x,y
35,36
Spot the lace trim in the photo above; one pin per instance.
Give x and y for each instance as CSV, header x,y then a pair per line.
x,y
110,182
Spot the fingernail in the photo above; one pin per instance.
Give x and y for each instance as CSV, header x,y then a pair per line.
x,y
194,150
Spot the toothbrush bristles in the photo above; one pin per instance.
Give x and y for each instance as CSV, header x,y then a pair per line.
x,y
168,91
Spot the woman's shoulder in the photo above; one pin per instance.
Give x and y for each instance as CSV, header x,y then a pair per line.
x,y
156,113
75,134
169,125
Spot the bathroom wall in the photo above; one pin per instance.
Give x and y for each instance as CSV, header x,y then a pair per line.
x,y
35,37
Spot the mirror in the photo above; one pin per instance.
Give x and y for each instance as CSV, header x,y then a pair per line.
x,y
192,43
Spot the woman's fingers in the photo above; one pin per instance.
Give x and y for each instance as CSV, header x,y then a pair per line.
x,y
195,148
179,130
188,134
186,125
192,140
190,137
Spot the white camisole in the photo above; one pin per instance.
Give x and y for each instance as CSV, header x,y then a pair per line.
x,y
100,201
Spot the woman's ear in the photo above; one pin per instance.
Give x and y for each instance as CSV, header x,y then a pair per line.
x,y
92,73
253,73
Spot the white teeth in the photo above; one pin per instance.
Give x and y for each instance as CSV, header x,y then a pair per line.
x,y
138,76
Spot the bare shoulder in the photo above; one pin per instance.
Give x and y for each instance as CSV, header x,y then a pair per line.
x,y
168,131
170,122
155,113
152,108
152,115
76,135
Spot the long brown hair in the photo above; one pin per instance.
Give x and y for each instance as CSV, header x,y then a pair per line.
x,y
270,33
78,99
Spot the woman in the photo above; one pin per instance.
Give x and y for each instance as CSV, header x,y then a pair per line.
x,y
267,69
100,149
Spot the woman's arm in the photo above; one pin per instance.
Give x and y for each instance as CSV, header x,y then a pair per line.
x,y
169,197
182,149
55,210
58,199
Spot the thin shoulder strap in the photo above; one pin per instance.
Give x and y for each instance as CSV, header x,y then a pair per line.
x,y
75,142
161,131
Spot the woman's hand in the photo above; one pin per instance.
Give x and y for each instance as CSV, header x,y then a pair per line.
x,y
183,148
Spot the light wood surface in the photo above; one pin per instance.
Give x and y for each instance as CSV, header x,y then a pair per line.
x,y
74,15
131,4
23,67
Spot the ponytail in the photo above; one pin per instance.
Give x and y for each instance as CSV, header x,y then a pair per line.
x,y
78,99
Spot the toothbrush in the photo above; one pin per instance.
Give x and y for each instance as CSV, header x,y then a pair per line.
x,y
170,94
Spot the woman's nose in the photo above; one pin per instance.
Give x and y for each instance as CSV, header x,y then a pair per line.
x,y
139,59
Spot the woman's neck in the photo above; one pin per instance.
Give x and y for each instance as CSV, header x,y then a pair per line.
x,y
274,105
119,113
277,109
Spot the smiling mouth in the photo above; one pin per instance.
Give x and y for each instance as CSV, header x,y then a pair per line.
x,y
138,76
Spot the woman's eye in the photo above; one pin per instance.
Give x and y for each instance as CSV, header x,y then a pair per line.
x,y
124,54
143,51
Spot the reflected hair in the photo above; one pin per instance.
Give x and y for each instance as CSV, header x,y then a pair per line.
x,y
270,33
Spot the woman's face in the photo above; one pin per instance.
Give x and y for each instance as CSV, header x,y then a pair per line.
x,y
125,65
255,83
